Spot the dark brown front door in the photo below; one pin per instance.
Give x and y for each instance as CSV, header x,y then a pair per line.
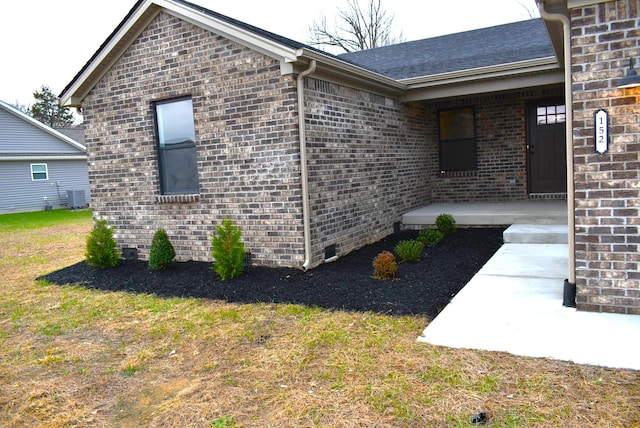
x,y
546,147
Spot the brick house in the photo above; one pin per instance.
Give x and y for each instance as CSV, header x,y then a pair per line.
x,y
192,117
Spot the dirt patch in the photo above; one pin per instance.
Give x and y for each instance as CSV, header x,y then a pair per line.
x,y
424,287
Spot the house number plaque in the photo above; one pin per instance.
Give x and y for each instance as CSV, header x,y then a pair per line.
x,y
602,131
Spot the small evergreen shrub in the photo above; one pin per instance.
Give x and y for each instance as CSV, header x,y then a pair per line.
x,y
227,251
446,224
101,250
384,266
409,250
430,237
162,253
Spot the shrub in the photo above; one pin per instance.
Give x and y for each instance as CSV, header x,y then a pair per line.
x,y
409,250
228,251
101,248
384,266
446,224
162,253
430,237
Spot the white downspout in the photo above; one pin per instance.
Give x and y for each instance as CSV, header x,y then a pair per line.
x,y
306,221
566,27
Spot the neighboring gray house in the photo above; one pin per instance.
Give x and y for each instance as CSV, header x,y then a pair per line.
x,y
39,165
192,117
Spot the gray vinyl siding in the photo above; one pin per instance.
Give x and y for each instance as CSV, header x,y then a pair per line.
x,y
20,193
18,136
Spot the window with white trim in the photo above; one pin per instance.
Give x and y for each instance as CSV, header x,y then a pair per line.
x,y
39,172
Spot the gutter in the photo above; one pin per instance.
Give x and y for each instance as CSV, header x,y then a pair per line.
x,y
566,27
306,220
339,68
489,72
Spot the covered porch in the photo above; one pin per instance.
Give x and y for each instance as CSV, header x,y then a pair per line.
x,y
533,211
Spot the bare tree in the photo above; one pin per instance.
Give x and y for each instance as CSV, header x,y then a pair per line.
x,y
530,9
355,28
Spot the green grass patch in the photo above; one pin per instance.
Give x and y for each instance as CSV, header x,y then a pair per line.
x,y
131,369
39,219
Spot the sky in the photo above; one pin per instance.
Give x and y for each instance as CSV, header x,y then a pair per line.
x,y
46,42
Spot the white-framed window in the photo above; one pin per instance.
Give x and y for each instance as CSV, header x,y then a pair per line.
x,y
39,172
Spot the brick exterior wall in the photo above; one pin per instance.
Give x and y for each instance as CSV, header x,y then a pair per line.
x,y
501,141
368,165
607,193
370,158
247,145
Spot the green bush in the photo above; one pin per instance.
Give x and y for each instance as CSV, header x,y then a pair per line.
x,y
409,250
227,251
162,253
384,266
430,237
446,224
101,248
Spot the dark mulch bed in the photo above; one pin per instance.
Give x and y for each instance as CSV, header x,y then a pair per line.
x,y
423,287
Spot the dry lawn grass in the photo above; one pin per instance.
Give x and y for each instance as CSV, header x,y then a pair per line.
x,y
76,357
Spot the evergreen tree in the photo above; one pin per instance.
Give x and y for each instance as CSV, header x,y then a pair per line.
x,y
47,109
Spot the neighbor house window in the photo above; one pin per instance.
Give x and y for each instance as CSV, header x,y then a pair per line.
x,y
458,140
39,172
176,147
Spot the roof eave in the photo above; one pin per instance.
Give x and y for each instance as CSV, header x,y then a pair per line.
x,y
49,130
542,72
138,20
108,53
491,72
51,157
338,70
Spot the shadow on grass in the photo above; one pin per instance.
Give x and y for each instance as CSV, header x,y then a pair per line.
x,y
424,287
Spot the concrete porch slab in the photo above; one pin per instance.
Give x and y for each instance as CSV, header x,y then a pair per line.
x,y
514,304
491,213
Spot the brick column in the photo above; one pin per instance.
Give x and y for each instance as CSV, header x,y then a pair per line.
x,y
607,186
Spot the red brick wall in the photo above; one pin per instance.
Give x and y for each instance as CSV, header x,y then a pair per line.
x,y
607,194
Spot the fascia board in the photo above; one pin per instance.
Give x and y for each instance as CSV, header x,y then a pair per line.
x,y
110,53
483,73
49,130
439,90
344,72
229,31
10,158
571,4
140,19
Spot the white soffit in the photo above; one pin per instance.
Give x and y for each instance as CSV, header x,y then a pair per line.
x,y
457,89
571,4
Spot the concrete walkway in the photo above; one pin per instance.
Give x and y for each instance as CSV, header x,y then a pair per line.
x,y
514,304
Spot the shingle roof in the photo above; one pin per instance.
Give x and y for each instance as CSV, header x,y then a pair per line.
x,y
518,41
264,33
76,133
